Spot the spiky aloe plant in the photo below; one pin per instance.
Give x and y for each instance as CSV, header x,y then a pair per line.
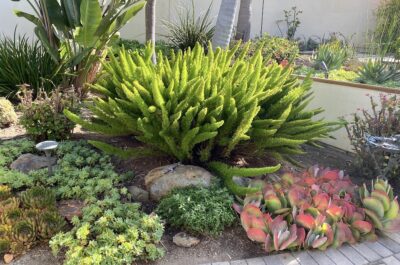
x,y
201,106
38,198
23,231
49,224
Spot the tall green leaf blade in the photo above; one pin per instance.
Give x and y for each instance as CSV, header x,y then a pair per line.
x,y
129,14
42,36
29,17
55,14
90,19
72,10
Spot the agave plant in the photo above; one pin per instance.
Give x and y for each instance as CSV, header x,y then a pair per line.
x,y
378,72
381,207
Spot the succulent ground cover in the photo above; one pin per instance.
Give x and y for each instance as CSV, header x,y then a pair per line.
x,y
316,209
27,219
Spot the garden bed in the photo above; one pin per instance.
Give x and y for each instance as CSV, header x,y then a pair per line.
x,y
233,244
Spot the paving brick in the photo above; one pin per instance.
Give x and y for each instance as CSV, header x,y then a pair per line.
x,y
320,257
272,260
390,244
304,258
353,255
391,261
239,262
379,248
366,252
255,261
288,259
337,257
394,236
220,263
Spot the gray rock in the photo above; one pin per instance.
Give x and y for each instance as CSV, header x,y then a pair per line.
x,y
242,181
28,162
160,181
70,208
184,240
138,194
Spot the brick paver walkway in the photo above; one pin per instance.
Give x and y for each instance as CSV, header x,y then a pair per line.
x,y
385,251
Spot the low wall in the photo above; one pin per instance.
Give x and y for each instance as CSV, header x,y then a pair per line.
x,y
341,99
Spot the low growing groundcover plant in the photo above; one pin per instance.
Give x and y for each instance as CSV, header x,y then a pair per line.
x,y
316,209
109,231
198,210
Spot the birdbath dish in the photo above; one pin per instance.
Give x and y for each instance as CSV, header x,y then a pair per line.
x,y
387,144
47,147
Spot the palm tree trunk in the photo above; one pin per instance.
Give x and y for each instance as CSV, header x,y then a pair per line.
x,y
150,17
225,23
243,27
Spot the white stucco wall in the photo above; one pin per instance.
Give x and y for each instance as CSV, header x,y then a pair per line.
x,y
319,17
342,101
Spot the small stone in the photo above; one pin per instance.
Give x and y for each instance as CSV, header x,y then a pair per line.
x,y
241,181
70,208
184,240
8,258
28,162
160,181
138,194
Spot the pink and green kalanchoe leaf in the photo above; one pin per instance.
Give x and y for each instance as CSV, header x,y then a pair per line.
x,y
282,237
305,220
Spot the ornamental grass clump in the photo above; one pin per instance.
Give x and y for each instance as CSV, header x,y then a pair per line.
x,y
199,107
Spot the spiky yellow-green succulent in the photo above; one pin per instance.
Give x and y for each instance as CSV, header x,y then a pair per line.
x,y
202,106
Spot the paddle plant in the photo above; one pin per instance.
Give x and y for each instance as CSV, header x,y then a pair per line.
x,y
316,209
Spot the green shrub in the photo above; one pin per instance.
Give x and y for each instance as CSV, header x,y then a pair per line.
x,y
387,29
189,30
43,117
23,62
198,210
199,106
111,232
133,45
383,120
378,72
7,113
332,54
276,48
340,75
